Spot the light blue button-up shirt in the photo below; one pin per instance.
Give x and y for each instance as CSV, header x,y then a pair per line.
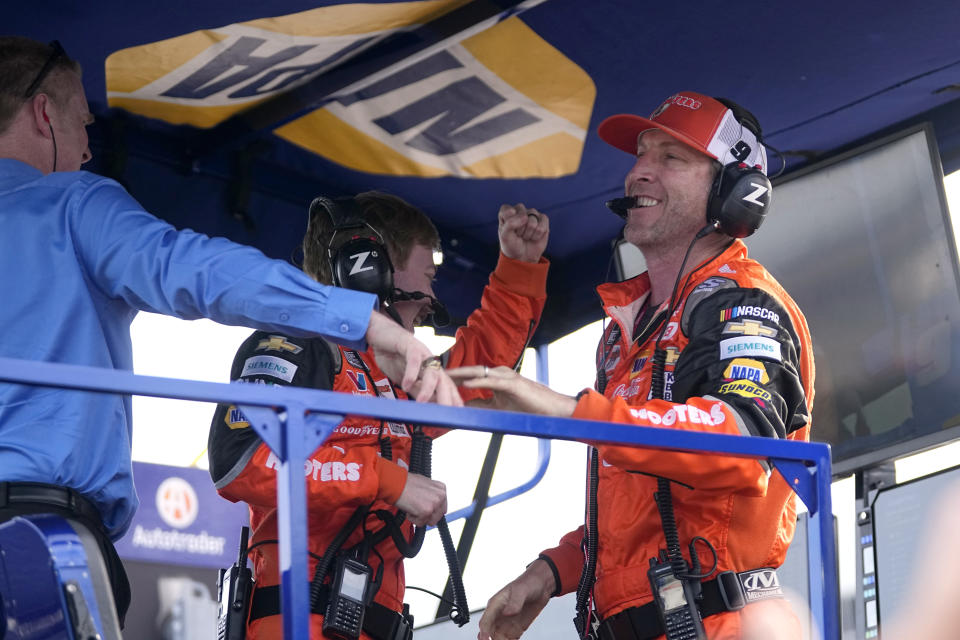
x,y
78,258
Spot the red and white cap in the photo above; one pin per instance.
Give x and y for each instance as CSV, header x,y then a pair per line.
x,y
696,120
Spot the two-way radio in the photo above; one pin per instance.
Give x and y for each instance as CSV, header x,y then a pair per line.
x,y
234,587
343,618
676,602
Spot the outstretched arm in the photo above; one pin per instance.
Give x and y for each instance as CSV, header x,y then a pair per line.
x,y
512,609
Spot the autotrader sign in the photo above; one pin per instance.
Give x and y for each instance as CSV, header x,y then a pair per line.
x,y
181,519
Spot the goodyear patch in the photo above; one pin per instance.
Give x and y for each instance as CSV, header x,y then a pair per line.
x,y
746,369
278,343
503,103
235,419
269,366
746,389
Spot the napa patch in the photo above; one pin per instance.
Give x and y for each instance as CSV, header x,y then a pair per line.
x,y
746,369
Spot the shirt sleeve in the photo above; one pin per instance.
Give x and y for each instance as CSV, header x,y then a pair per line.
x,y
131,255
736,377
497,333
566,560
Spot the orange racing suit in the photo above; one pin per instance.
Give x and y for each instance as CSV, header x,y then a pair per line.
x,y
348,471
739,361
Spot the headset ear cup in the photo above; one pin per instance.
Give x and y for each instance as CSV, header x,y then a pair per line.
x,y
362,264
739,199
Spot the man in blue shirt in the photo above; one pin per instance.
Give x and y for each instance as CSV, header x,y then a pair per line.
x,y
79,257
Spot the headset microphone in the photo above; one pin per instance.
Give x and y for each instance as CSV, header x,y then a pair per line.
x,y
439,316
621,206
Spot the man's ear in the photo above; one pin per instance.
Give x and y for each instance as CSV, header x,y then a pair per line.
x,y
39,104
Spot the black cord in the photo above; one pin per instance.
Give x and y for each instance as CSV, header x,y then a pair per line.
x,y
54,138
668,522
323,566
783,160
695,569
588,577
663,497
439,597
459,611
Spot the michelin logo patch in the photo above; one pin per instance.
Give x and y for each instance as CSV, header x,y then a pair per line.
x,y
269,366
748,346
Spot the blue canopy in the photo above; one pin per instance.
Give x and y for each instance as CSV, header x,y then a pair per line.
x,y
229,117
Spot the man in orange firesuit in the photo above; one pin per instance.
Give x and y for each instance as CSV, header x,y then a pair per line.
x,y
705,340
365,472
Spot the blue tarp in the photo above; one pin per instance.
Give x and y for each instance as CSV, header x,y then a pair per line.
x,y
228,117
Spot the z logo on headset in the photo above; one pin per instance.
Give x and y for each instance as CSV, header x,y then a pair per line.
x,y
359,259
754,196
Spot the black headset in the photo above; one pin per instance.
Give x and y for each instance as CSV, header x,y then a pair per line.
x,y
740,194
356,252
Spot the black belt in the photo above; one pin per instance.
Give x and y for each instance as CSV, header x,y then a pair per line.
x,y
729,591
13,494
379,622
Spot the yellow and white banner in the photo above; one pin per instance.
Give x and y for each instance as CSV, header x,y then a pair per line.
x,y
500,104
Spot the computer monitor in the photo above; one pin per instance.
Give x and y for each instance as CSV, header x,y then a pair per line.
x,y
864,244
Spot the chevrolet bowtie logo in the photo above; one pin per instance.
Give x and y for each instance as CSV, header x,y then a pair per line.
x,y
750,328
278,343
673,354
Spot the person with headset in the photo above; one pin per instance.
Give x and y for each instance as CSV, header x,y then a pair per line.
x,y
80,257
705,340
368,470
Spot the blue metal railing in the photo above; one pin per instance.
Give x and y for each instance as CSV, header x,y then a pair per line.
x,y
805,466
543,461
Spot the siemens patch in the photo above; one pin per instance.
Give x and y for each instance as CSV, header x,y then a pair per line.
x,y
748,346
269,366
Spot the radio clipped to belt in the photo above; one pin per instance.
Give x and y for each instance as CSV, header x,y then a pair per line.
x,y
234,587
354,585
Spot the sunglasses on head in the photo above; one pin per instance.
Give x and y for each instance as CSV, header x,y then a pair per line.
x,y
47,67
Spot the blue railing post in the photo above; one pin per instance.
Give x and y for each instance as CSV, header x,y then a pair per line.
x,y
823,579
